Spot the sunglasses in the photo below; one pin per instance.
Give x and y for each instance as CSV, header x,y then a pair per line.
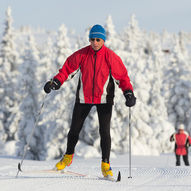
x,y
93,39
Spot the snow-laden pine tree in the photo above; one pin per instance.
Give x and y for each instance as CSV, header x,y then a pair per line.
x,y
9,54
159,69
157,104
132,36
2,138
59,104
30,107
82,41
144,64
63,47
133,57
9,61
112,38
178,80
3,135
47,64
166,40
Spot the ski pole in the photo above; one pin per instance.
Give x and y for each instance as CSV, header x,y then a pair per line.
x,y
26,146
130,143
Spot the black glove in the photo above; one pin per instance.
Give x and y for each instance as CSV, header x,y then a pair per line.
x,y
187,144
53,84
130,98
172,138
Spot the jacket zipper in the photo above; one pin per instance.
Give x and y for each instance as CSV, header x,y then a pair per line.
x,y
95,56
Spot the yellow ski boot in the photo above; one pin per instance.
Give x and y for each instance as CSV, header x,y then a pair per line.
x,y
65,161
106,169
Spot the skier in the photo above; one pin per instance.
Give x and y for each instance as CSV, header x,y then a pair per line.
x,y
182,143
99,67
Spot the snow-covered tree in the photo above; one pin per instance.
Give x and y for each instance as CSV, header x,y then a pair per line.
x,y
159,69
29,107
46,66
63,47
9,54
177,75
133,36
82,41
112,38
9,62
57,115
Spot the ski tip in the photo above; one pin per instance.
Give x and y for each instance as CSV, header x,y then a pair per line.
x,y
119,177
19,167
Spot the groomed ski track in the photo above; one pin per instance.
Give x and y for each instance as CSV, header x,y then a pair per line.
x,y
148,173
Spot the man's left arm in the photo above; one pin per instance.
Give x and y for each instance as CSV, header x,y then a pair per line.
x,y
189,140
120,74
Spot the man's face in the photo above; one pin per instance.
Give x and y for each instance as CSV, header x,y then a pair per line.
x,y
96,43
181,131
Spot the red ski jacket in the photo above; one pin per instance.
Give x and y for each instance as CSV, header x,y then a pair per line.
x,y
97,72
182,141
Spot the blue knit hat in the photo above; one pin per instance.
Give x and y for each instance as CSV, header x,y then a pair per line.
x,y
97,31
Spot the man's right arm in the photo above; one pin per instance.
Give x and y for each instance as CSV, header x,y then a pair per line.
x,y
69,68
172,138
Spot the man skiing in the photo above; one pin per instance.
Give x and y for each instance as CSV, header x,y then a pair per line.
x,y
99,67
182,142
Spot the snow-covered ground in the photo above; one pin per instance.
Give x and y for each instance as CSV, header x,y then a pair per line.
x,y
156,173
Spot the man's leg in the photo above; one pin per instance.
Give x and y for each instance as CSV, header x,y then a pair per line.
x,y
104,115
80,113
186,161
177,160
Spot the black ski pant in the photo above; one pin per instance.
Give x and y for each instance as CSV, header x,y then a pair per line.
x,y
185,159
80,112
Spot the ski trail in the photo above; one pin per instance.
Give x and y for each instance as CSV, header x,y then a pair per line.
x,y
146,175
160,178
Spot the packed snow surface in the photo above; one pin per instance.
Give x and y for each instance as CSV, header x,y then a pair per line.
x,y
154,173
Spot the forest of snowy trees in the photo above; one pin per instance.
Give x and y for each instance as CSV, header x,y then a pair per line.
x,y
159,66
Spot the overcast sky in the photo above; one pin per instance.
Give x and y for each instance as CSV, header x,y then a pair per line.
x,y
152,15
